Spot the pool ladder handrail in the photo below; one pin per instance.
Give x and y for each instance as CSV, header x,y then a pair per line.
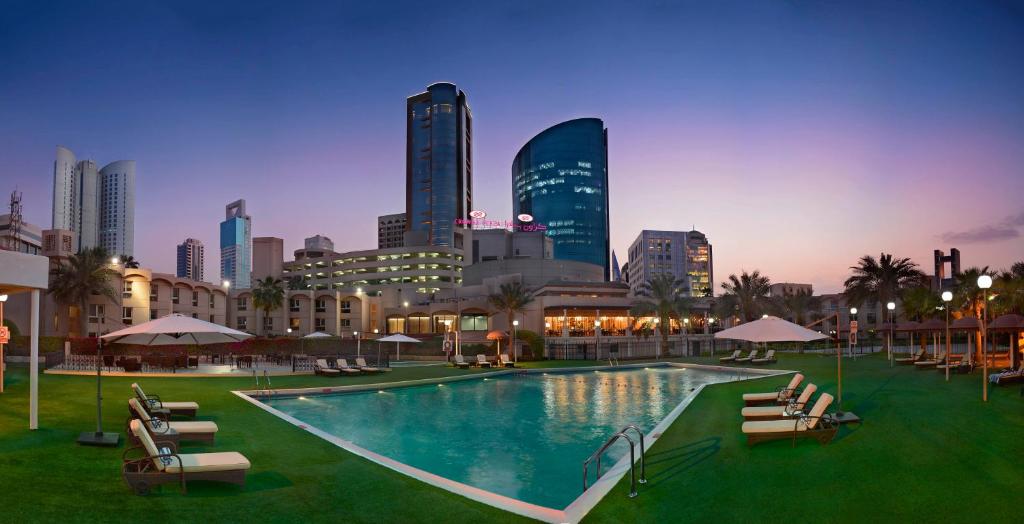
x,y
632,458
265,389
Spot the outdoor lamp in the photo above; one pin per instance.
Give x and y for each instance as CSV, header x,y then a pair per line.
x,y
686,321
547,324
3,298
891,306
359,291
227,283
289,330
115,260
375,331
984,281
515,322
405,304
597,323
853,311
766,314
947,296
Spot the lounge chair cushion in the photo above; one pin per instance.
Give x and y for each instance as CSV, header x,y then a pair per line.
x,y
765,412
208,462
199,426
180,405
788,392
773,426
760,396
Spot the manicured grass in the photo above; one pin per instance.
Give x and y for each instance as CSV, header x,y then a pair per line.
x,y
928,451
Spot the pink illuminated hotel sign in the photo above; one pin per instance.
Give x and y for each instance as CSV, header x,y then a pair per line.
x,y
478,220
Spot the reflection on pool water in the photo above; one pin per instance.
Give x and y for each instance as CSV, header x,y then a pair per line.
x,y
524,436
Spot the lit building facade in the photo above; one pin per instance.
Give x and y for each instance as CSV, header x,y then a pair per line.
x,y
117,207
391,231
97,205
560,178
439,164
236,246
191,257
684,254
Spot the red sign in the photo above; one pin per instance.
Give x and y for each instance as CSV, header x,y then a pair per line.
x,y
5,334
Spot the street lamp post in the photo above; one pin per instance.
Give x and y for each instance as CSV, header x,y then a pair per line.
x,y
657,337
686,335
358,343
447,340
984,282
890,307
947,297
515,354
3,298
597,333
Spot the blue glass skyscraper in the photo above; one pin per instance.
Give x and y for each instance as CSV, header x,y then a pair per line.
x,y
439,164
560,178
236,246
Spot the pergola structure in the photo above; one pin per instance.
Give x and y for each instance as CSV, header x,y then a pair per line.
x,y
24,273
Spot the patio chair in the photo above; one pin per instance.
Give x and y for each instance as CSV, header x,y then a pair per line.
x,y
460,362
481,360
1008,376
731,358
952,362
920,355
769,357
361,365
816,424
343,366
155,405
202,431
779,396
794,408
321,368
151,464
748,358
940,358
504,361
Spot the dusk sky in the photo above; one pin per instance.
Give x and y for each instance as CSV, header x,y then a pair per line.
x,y
797,135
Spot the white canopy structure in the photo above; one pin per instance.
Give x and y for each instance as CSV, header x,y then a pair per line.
x,y
770,329
23,273
175,329
398,338
319,334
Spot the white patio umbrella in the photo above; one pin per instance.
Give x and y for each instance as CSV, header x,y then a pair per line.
x,y
398,338
770,329
319,334
165,331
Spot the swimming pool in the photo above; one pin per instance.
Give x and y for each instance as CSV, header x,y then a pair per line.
x,y
523,436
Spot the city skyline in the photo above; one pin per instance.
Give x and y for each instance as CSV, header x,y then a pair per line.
x,y
918,137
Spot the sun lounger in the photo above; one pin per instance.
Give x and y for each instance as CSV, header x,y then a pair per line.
x,y
939,359
779,396
460,362
322,368
482,361
748,358
816,424
731,358
768,357
153,404
361,365
174,431
920,355
342,365
794,408
504,361
952,362
1009,376
161,464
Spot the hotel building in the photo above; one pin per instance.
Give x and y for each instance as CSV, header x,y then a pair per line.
x,y
98,205
683,254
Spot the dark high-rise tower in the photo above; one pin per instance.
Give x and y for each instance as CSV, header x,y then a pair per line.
x,y
438,164
560,178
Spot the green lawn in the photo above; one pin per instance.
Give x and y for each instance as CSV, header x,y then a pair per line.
x,y
927,451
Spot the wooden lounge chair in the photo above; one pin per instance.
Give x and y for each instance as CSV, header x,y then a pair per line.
x,y
920,355
197,430
321,368
794,408
154,404
1009,376
361,365
953,361
482,361
731,358
342,365
816,424
748,358
940,358
768,357
779,396
151,464
504,361
460,362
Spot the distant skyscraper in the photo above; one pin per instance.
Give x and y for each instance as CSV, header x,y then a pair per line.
x,y
191,256
319,242
390,231
560,178
97,205
438,164
236,246
268,257
616,271
684,254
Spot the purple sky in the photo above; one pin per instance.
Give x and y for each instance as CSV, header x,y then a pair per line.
x,y
797,136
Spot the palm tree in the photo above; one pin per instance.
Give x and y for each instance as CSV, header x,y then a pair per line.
x,y
296,283
81,276
128,261
746,296
663,296
798,305
510,299
967,296
268,295
920,304
1009,290
880,280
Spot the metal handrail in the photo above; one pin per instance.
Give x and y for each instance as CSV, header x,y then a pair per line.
x,y
632,459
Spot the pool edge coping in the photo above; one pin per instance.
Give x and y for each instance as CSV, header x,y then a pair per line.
x,y
575,510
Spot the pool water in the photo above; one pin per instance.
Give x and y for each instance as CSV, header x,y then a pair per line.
x,y
524,436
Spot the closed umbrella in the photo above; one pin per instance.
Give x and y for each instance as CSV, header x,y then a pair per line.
x,y
497,335
398,338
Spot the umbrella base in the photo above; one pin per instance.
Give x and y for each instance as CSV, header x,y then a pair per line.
x,y
92,438
845,417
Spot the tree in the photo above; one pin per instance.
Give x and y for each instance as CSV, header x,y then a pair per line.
x,y
1009,290
128,261
967,296
880,280
81,276
663,296
296,283
920,304
745,296
268,295
798,305
511,298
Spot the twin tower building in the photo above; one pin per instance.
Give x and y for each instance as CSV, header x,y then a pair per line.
x,y
96,205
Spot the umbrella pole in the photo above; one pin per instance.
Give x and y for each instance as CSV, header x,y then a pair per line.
x,y
99,438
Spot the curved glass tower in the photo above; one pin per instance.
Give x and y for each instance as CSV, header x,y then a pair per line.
x,y
560,178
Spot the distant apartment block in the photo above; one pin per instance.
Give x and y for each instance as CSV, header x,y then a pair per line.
x,y
391,231
191,257
23,237
684,254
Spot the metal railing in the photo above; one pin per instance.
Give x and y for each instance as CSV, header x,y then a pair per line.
x,y
632,459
